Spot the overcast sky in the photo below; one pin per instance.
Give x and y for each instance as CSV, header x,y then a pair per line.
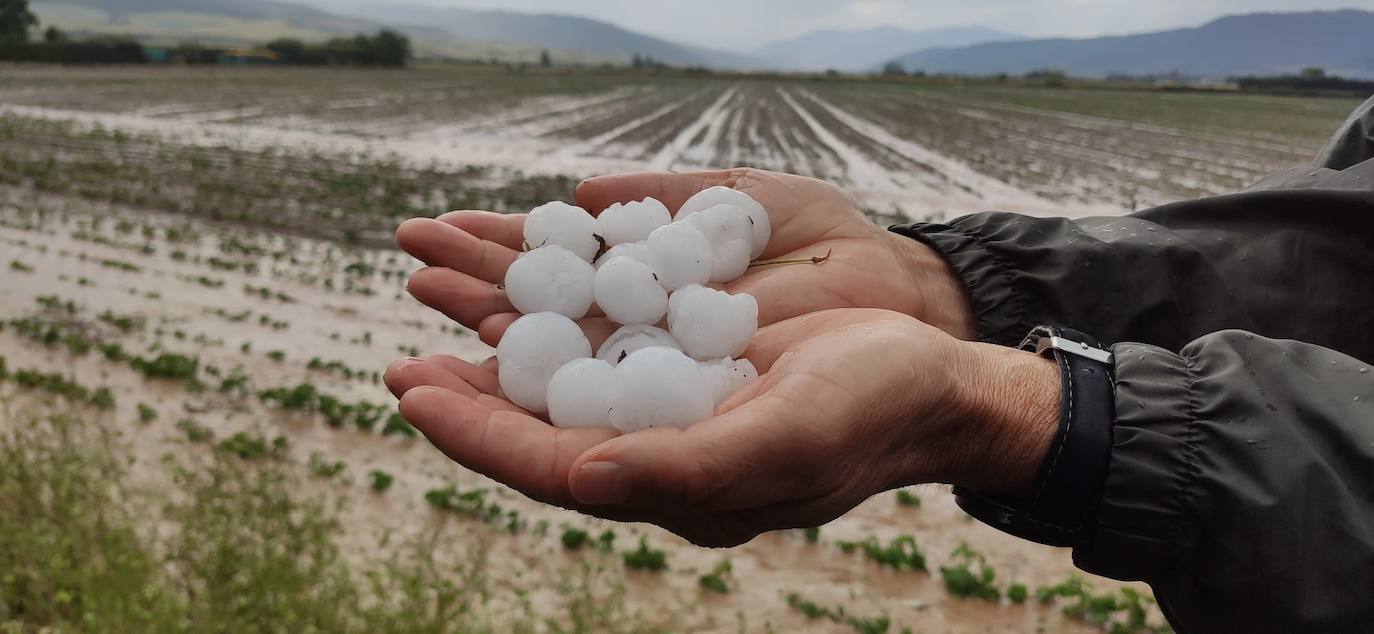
x,y
744,25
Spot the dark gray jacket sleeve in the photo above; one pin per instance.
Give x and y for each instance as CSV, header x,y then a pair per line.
x,y
1288,264
1241,485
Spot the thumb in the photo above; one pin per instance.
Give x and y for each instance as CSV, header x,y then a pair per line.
x,y
734,461
670,188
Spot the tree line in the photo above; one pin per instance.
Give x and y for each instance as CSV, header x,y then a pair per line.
x,y
386,48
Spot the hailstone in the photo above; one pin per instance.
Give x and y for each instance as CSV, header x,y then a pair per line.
x,y
635,250
552,279
680,255
531,350
632,221
711,324
629,293
658,387
718,195
577,394
626,340
725,376
726,228
565,225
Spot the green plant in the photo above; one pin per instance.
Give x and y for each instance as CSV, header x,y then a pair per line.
x,y
381,480
715,580
396,424
1017,593
195,432
277,355
16,265
574,538
908,498
323,468
250,447
900,553
969,575
645,558
146,413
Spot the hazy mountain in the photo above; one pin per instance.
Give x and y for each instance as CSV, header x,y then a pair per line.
x,y
455,32
562,32
868,48
1342,42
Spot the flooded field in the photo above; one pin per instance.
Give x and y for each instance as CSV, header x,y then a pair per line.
x,y
199,262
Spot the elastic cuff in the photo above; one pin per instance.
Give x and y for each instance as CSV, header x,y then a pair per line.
x,y
998,311
1148,494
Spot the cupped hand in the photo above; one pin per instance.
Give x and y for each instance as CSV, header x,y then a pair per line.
x,y
849,403
868,267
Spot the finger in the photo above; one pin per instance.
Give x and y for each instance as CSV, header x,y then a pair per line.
x,y
409,373
484,379
507,230
460,296
522,452
441,244
672,189
597,329
744,458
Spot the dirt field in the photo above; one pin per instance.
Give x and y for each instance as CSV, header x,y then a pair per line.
x,y
212,247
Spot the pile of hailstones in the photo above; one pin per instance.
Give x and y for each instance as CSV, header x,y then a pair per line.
x,y
638,264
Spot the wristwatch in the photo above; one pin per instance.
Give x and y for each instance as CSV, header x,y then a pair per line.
x,y
1068,485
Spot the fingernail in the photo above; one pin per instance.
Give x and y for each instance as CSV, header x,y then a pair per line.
x,y
601,483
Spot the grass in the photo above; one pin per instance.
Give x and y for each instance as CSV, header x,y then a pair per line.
x,y
238,549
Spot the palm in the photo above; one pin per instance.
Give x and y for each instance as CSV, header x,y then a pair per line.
x,y
469,251
821,373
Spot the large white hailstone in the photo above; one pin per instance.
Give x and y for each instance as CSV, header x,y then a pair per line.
x,y
633,250
628,339
711,324
552,279
565,225
577,394
658,387
680,255
726,376
727,229
531,350
629,293
719,195
632,221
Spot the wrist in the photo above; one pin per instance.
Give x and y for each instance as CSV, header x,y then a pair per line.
x,y
941,300
1009,404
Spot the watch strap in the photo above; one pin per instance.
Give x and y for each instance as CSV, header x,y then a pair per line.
x,y
1068,485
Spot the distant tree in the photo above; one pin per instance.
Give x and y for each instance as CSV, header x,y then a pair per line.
x,y
894,68
54,35
288,50
390,48
545,59
16,20
1312,72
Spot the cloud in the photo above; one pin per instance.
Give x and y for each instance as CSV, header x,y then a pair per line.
x,y
745,25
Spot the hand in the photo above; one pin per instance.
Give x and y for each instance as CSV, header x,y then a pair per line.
x,y
850,403
468,253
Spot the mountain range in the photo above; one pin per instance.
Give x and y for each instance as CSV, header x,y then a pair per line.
x,y
1249,44
1341,42
867,49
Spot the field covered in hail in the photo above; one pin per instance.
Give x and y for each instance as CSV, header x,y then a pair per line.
x,y
199,294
